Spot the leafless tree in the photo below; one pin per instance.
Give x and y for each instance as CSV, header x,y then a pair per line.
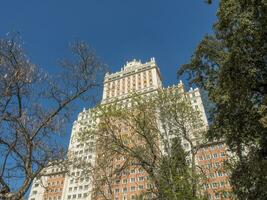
x,y
34,107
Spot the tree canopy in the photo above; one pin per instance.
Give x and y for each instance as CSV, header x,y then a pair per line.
x,y
231,66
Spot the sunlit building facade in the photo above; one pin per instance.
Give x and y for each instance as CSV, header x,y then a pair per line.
x,y
144,79
50,185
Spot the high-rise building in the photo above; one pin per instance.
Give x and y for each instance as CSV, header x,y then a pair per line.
x,y
139,78
145,79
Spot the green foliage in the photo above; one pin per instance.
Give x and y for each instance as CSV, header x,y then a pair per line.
x,y
175,174
147,133
232,66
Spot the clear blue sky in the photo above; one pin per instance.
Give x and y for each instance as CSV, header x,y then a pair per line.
x,y
118,30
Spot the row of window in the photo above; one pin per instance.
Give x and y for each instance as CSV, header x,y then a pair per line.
x,y
211,165
131,180
212,147
132,171
76,180
83,144
220,195
89,150
134,197
55,183
81,187
210,156
221,184
130,189
62,175
50,198
216,174
52,190
74,196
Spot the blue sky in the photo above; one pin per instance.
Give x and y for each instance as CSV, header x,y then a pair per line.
x,y
118,30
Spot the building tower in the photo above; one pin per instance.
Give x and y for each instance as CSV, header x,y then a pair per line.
x,y
136,77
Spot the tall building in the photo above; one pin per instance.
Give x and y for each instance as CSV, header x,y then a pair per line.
x,y
144,79
134,77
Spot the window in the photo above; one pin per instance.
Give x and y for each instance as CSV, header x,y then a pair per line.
x,y
132,188
222,184
140,187
117,190
220,173
124,190
212,175
141,178
132,180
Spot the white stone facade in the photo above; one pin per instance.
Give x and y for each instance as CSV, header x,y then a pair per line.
x,y
78,184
